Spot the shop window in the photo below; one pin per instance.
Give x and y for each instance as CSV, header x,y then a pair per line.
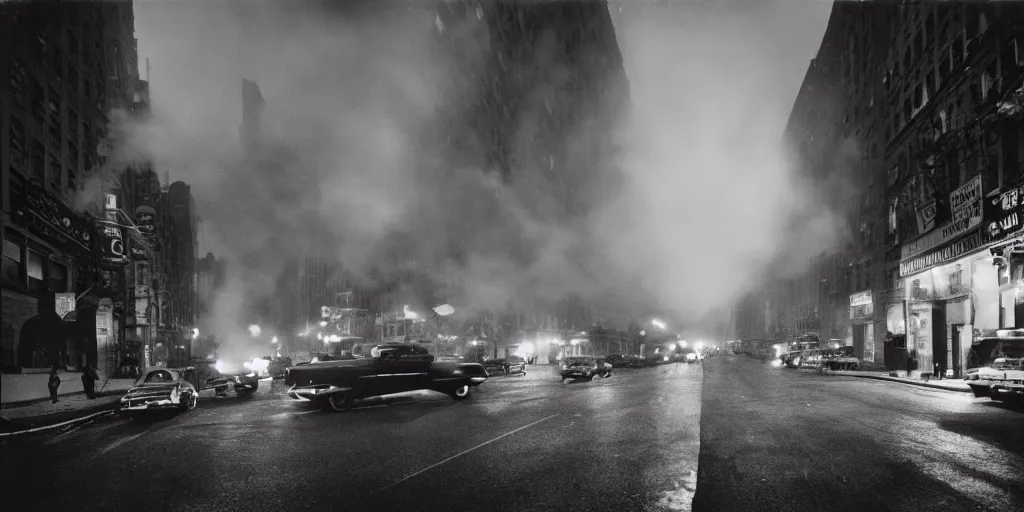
x,y
58,278
35,272
12,263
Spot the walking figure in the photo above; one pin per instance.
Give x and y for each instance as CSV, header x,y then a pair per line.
x,y
53,384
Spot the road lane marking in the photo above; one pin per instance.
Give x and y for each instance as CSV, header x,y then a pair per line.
x,y
457,455
119,442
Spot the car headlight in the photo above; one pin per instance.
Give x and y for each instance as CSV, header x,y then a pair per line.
x,y
175,393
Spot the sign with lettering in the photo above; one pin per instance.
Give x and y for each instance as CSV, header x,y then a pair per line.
x,y
860,299
949,252
926,214
49,215
966,209
64,303
1005,213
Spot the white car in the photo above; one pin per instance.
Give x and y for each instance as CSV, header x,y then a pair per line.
x,y
161,389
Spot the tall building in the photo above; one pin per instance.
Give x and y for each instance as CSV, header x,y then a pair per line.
x,y
183,252
67,65
834,134
923,106
955,158
211,274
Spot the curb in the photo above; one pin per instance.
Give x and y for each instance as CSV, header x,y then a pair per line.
x,y
67,423
902,381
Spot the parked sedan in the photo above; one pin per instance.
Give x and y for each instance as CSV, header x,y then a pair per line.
x,y
161,389
506,365
392,368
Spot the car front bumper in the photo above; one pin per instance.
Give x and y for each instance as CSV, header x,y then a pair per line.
x,y
147,405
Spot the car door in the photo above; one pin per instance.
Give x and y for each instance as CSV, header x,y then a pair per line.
x,y
401,372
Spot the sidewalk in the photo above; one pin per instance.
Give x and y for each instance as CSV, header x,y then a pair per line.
x,y
67,409
900,376
20,389
26,400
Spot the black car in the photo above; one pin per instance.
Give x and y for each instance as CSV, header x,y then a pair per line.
x,y
392,368
583,367
506,365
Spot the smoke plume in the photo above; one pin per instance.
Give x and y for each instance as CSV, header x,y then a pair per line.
x,y
698,200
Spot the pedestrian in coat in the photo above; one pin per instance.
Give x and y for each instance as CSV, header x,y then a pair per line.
x,y
53,384
89,378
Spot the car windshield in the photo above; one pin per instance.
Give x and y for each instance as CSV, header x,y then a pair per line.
x,y
160,376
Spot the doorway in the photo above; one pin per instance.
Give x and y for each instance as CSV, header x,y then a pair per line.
x,y
858,340
957,357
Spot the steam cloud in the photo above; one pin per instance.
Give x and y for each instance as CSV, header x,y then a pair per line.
x,y
707,199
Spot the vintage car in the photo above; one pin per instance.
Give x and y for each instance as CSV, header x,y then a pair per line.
x,y
583,367
995,364
392,368
604,368
840,358
161,389
506,365
277,366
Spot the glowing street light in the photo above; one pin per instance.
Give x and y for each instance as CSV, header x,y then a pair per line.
x,y
254,330
323,323
195,332
408,313
658,323
671,347
274,339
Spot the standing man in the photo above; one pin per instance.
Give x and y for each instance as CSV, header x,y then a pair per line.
x,y
53,384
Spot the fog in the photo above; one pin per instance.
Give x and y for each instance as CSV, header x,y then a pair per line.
x,y
707,196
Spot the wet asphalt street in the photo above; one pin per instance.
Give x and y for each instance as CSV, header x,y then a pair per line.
x,y
766,439
783,439
629,442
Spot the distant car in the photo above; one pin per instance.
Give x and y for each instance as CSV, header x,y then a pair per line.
x,y
582,367
161,389
392,368
278,365
506,365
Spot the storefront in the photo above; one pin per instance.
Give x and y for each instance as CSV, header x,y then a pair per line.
x,y
963,282
862,328
47,251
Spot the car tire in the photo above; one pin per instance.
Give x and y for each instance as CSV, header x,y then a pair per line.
x,y
342,401
462,392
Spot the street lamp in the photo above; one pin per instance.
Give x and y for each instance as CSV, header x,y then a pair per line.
x,y
254,330
658,323
274,339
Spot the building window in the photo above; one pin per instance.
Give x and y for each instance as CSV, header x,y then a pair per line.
x,y
17,141
38,100
56,172
17,82
58,278
12,263
35,272
38,161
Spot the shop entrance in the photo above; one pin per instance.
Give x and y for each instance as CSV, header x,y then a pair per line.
x,y
957,359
